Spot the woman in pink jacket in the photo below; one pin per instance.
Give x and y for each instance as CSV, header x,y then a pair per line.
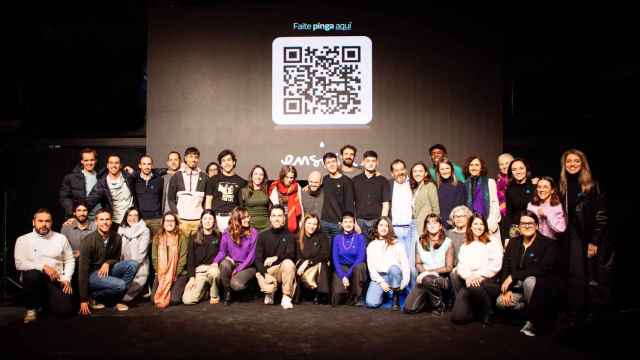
x,y
546,204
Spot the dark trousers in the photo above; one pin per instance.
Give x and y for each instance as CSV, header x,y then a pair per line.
x,y
177,289
475,302
40,291
428,292
235,282
357,284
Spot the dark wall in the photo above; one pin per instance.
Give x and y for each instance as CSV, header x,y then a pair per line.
x,y
210,84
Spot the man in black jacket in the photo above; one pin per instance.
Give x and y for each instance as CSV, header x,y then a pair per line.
x,y
275,259
529,274
101,275
77,185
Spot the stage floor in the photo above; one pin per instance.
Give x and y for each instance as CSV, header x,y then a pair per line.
x,y
307,331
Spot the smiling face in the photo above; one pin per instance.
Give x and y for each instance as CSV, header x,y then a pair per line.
x,y
133,217
287,180
433,227
445,170
173,161
418,173
245,220
169,223
257,177
460,220
192,160
81,214
348,156
208,221
103,222
145,165
544,190
503,163
212,170
475,167
573,164
436,155
399,172
228,164
519,171
347,224
315,180
88,161
477,227
383,228
527,226
113,165
310,226
332,165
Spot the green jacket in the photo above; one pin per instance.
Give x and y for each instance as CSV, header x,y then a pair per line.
x,y
183,241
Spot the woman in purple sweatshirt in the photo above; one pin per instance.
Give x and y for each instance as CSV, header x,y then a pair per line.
x,y
348,256
237,253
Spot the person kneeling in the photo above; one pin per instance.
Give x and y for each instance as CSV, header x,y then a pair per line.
x,y
348,254
201,269
101,276
388,265
434,262
275,256
314,251
529,275
169,256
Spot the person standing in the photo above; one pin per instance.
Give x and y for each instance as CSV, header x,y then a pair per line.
x,y
254,198
187,191
438,152
348,155
223,190
114,191
287,192
77,185
371,194
338,195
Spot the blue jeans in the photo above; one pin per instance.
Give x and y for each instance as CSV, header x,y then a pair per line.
x,y
375,292
365,227
111,289
410,247
330,229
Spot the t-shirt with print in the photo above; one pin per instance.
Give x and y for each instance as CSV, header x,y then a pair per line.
x,y
225,191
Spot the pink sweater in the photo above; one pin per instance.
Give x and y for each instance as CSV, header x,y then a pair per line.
x,y
554,221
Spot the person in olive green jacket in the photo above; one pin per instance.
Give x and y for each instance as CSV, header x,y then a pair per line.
x,y
169,256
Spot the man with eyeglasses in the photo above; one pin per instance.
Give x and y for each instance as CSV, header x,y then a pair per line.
x,y
530,263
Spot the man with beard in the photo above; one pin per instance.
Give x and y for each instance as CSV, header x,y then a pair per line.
x,y
46,261
114,191
77,185
148,185
174,163
401,202
348,155
312,195
437,153
76,230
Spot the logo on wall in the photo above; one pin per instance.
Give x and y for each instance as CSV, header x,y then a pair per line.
x,y
322,80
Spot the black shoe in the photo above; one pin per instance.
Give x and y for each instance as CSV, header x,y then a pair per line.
x,y
316,300
395,301
486,322
227,298
439,310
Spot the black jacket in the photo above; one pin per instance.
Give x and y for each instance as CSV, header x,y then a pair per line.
x,y
73,189
591,218
278,243
317,249
93,254
201,254
102,195
539,260
148,194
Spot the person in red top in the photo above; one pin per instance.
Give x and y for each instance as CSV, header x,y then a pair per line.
x,y
287,192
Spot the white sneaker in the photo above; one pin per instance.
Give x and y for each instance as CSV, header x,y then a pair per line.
x,y
268,299
122,307
96,305
286,302
528,329
30,316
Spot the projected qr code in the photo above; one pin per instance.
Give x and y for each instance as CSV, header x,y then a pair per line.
x,y
322,80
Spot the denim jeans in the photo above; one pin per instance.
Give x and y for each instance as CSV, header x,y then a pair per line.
x,y
410,246
366,227
330,229
375,292
109,290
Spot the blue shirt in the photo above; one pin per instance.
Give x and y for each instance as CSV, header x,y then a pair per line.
x,y
350,250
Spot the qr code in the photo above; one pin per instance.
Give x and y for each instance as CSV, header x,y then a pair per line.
x,y
322,80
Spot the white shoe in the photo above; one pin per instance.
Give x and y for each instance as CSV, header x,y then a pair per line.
x,y
96,305
30,316
268,299
286,302
528,329
122,307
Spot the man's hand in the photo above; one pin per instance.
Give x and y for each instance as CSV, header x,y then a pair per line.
x,y
76,253
505,285
128,169
51,272
345,282
270,260
592,250
104,270
66,287
70,221
84,308
508,298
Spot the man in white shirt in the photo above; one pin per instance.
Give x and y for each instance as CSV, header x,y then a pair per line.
x,y
401,207
46,261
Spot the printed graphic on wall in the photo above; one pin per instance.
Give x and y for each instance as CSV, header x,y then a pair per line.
x,y
322,80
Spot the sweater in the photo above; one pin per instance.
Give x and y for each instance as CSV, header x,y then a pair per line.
x,y
317,249
202,254
381,257
312,202
538,260
243,255
274,242
183,253
33,251
450,196
93,253
553,223
477,259
517,197
338,198
349,249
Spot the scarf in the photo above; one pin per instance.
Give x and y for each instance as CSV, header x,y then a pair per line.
x,y
294,209
502,181
168,254
478,195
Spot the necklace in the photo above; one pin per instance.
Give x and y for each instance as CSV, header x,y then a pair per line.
x,y
352,244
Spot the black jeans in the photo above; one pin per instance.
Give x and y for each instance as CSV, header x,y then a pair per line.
x,y
474,302
358,283
237,282
39,291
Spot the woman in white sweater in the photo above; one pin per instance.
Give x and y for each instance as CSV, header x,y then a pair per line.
x,y
479,260
135,246
388,265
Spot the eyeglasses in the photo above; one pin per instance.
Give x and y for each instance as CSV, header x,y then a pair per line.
x,y
527,224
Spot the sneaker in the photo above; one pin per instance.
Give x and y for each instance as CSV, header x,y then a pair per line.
x,y
122,307
96,305
214,301
30,316
286,302
268,299
528,329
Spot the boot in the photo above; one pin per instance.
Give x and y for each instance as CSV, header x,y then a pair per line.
x,y
395,300
227,297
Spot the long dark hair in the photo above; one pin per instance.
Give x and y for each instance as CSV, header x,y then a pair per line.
x,y
484,238
301,233
512,179
390,238
425,238
163,232
126,214
263,185
199,238
483,166
555,198
427,177
235,225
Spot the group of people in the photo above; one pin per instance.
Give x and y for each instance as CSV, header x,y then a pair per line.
x,y
443,237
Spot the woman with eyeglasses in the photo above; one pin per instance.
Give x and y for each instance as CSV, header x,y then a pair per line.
x,y
529,275
591,254
546,205
479,261
169,253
